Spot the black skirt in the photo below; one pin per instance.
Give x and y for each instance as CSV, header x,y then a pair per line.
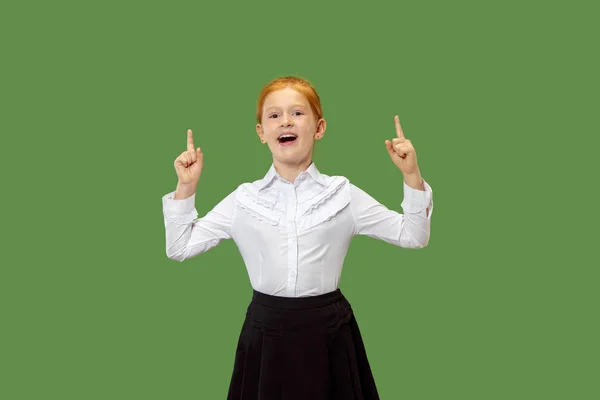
x,y
301,348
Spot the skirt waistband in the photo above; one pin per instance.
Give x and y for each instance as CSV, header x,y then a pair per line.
x,y
297,303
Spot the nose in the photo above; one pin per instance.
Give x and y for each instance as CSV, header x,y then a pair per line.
x,y
286,120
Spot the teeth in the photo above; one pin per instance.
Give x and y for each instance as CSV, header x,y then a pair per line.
x,y
286,136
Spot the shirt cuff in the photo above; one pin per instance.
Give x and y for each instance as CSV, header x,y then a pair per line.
x,y
416,201
178,208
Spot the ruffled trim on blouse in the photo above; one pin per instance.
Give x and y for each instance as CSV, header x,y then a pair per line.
x,y
319,208
309,205
336,196
260,207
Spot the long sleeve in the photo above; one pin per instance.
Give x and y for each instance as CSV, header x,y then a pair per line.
x,y
408,230
187,236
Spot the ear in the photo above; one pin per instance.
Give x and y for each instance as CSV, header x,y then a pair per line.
x,y
320,129
260,133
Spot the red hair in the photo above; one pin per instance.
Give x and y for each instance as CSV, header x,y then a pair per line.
x,y
298,84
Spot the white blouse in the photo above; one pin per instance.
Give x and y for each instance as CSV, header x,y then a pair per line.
x,y
293,237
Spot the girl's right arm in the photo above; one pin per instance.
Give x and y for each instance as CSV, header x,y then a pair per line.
x,y
187,237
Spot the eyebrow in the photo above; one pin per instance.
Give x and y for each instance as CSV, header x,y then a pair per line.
x,y
293,105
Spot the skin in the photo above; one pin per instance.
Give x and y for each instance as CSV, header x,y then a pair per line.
x,y
404,156
188,166
288,110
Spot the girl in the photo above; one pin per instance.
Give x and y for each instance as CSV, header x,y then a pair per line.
x,y
300,338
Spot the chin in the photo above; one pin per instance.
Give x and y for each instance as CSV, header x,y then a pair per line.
x,y
292,159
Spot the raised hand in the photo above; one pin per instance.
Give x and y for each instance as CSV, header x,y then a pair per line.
x,y
402,152
189,163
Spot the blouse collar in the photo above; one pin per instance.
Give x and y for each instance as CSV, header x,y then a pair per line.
x,y
311,171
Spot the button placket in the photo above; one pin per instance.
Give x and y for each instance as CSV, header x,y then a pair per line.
x,y
292,242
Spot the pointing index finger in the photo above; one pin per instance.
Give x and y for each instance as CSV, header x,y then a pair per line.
x,y
398,127
190,140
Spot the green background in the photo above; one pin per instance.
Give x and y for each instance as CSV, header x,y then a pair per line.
x,y
500,101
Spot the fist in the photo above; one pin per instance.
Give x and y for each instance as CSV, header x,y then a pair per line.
x,y
189,163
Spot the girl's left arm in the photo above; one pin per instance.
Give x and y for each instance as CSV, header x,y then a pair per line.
x,y
409,230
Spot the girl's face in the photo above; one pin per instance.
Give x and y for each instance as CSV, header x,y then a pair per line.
x,y
289,126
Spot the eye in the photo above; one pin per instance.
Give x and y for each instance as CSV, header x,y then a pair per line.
x,y
299,112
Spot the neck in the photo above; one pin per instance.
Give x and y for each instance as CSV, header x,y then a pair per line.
x,y
291,171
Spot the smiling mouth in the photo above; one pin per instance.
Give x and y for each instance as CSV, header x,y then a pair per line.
x,y
287,138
